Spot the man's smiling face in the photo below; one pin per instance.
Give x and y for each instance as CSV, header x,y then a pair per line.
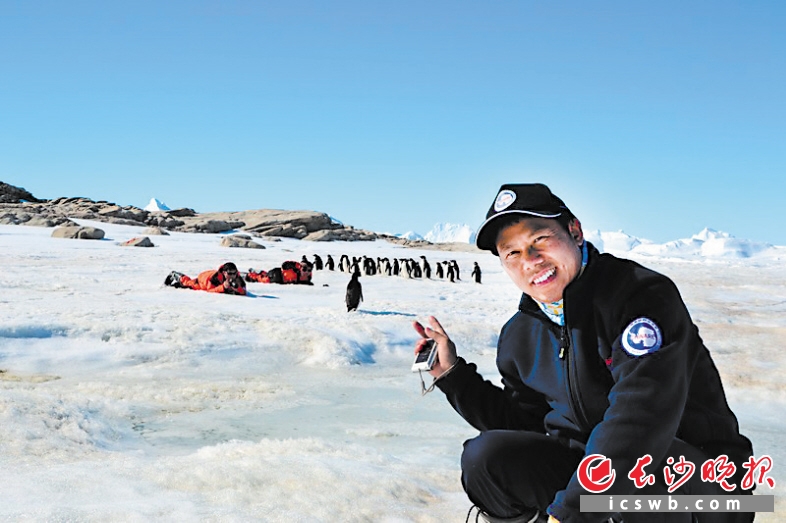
x,y
540,256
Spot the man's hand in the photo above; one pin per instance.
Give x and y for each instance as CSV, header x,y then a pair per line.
x,y
446,349
231,286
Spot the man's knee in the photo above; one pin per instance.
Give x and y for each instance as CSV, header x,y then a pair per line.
x,y
488,456
517,468
482,453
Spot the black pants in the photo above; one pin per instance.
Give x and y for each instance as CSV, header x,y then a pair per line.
x,y
507,473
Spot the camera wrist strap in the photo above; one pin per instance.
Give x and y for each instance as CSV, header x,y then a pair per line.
x,y
423,389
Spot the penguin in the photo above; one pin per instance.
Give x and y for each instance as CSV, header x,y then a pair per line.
x,y
330,264
426,268
396,268
476,272
370,266
317,262
416,272
456,269
450,273
343,263
354,292
440,273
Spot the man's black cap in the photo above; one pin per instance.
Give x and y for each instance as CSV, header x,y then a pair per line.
x,y
532,199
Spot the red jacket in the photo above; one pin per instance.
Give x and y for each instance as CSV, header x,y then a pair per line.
x,y
212,281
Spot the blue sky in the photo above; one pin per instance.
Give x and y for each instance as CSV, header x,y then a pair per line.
x,y
658,118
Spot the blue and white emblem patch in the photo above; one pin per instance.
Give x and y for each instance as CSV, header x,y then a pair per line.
x,y
641,337
504,200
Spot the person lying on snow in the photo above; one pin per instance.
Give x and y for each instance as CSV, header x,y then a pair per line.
x,y
289,272
225,279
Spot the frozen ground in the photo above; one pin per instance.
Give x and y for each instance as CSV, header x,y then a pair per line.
x,y
123,400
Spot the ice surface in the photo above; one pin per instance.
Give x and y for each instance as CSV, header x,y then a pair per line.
x,y
124,400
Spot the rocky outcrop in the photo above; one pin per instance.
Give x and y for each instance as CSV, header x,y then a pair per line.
x,y
287,224
78,233
11,194
26,218
423,244
309,225
19,207
63,211
211,226
346,234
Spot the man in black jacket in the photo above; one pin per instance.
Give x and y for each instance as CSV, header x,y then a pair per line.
x,y
601,359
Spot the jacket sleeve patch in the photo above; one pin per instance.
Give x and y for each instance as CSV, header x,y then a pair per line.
x,y
642,336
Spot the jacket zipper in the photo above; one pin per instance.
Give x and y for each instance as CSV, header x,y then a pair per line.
x,y
573,394
574,401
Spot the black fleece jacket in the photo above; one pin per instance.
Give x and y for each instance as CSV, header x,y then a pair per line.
x,y
580,384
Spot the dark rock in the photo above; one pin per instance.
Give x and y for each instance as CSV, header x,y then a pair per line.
x,y
180,213
12,194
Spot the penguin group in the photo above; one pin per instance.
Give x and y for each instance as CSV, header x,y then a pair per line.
x,y
409,268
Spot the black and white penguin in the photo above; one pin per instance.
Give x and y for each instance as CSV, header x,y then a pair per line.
x,y
426,268
450,273
416,272
343,263
330,264
354,292
476,272
318,263
406,268
454,263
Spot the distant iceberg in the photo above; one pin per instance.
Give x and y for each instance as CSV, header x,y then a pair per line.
x,y
722,244
708,243
156,205
613,242
451,233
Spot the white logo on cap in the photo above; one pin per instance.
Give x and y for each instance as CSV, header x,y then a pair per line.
x,y
641,337
504,200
